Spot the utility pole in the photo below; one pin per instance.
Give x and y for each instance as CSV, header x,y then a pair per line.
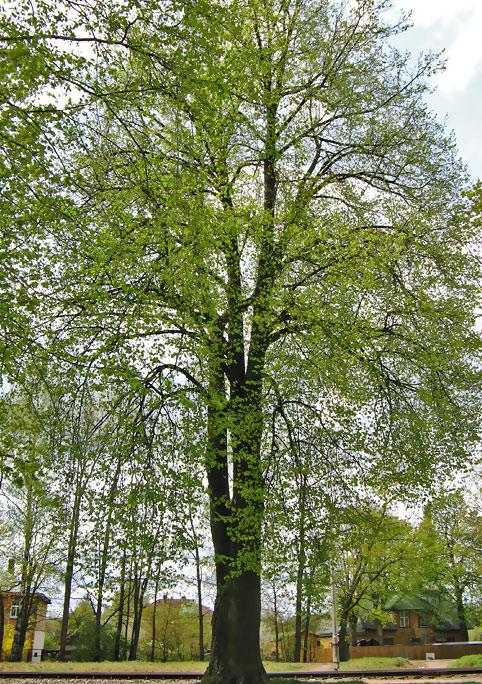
x,y
334,626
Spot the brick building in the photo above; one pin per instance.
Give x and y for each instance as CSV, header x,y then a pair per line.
x,y
35,639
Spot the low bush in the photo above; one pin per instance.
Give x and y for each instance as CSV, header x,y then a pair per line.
x,y
474,660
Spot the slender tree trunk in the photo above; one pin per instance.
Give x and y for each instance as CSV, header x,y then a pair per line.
x,y
26,599
276,625
135,621
300,573
69,572
200,604
21,628
98,625
120,615
104,557
459,600
307,621
139,592
128,615
154,609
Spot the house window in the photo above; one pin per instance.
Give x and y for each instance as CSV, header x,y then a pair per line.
x,y
424,620
404,618
14,609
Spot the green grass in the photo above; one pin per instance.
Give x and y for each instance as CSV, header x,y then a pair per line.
x,y
272,666
106,666
193,666
172,666
474,660
373,663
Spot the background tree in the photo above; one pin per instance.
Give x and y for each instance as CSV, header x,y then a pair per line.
x,y
374,547
454,535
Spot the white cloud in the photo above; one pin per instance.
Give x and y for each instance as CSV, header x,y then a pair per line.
x,y
456,26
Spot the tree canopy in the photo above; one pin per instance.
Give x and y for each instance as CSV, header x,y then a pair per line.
x,y
235,201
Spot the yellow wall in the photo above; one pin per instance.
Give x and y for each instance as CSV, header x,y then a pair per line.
x,y
9,629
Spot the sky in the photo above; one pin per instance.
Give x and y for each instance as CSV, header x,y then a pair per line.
x,y
454,26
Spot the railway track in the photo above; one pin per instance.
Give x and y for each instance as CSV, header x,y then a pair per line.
x,y
420,673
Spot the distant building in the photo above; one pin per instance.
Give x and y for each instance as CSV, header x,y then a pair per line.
x,y
415,620
176,632
34,642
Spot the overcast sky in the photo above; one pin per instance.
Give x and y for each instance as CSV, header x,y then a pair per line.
x,y
456,26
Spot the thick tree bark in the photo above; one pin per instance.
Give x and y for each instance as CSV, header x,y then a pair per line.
x,y
344,642
344,646
235,649
236,518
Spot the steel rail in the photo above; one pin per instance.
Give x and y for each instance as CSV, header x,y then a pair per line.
x,y
425,673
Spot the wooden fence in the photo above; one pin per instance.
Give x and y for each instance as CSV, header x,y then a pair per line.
x,y
410,651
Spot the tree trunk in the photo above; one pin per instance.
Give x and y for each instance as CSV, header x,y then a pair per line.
x,y
459,600
104,557
154,608
379,632
26,598
276,626
98,627
139,591
135,621
21,628
307,620
235,649
235,526
236,519
352,622
200,604
128,615
120,615
300,573
69,572
343,641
